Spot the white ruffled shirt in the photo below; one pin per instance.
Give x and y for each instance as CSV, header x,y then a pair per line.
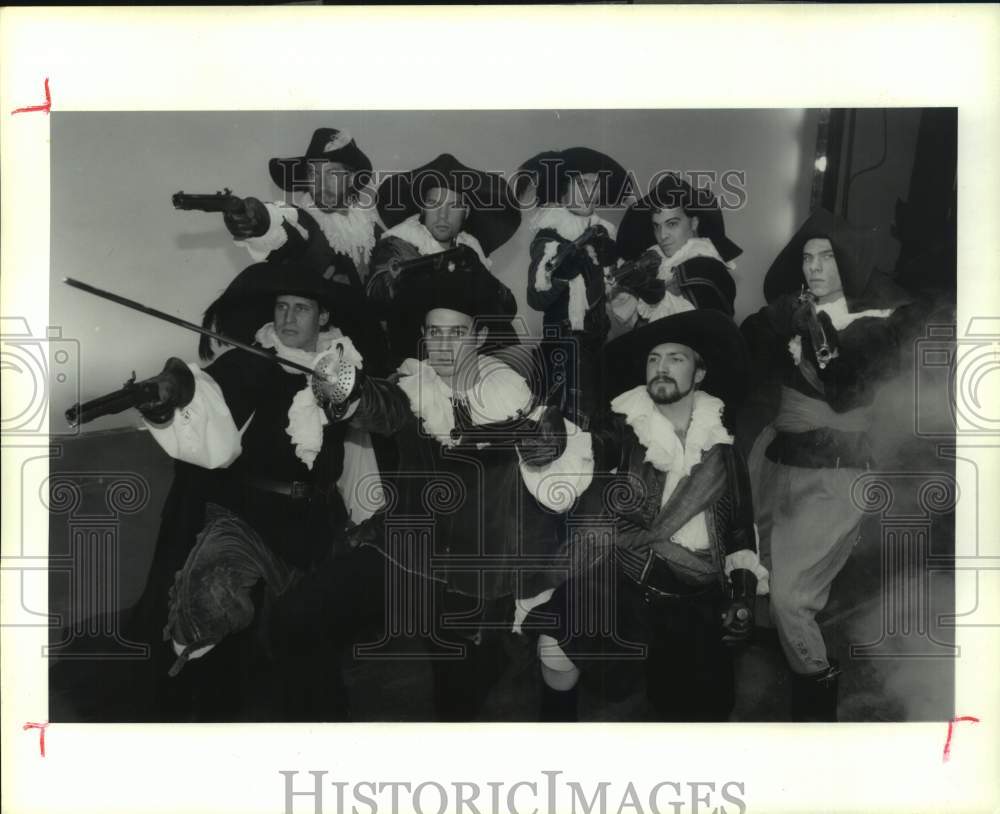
x,y
666,452
569,227
500,394
415,233
351,232
306,418
204,433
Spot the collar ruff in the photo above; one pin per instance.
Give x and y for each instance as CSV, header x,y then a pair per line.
x,y
351,232
267,338
841,317
306,419
694,247
671,303
498,396
567,225
659,436
414,232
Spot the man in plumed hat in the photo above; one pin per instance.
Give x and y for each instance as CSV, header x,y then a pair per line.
x,y
472,521
678,256
263,491
571,255
442,205
827,340
672,561
324,217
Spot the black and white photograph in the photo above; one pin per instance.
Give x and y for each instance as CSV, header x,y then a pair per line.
x,y
603,422
520,420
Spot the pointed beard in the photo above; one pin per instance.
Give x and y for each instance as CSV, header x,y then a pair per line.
x,y
663,391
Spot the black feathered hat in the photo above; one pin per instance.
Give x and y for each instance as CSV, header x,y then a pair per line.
x,y
248,301
493,213
473,292
550,172
635,232
326,144
712,334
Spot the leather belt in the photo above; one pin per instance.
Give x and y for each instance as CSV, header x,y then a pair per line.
x,y
296,490
658,581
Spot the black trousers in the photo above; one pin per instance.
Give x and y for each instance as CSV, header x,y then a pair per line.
x,y
619,634
365,598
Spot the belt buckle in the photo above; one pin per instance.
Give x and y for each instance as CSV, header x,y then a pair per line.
x,y
299,490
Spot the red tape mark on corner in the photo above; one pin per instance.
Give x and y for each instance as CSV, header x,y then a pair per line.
x,y
41,733
45,108
951,726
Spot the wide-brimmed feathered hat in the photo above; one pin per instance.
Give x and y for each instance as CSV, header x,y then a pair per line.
x,y
493,213
248,301
326,144
550,173
854,248
212,595
635,232
712,334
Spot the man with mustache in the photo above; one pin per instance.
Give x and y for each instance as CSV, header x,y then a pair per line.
x,y
672,561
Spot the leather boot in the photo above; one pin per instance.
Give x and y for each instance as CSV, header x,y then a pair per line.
x,y
559,706
814,696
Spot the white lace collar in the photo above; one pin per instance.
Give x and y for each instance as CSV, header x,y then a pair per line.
x,y
306,418
694,247
267,337
414,232
351,232
498,395
841,317
658,435
566,224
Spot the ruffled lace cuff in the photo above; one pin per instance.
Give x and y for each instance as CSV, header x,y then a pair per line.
x,y
543,277
745,558
558,485
275,237
522,607
203,433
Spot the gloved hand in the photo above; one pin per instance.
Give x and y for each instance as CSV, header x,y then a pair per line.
x,y
800,317
336,380
832,338
737,621
249,220
390,252
605,248
548,441
639,278
175,386
468,260
785,314
572,266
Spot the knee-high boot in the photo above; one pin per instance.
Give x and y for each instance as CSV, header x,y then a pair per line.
x,y
814,696
559,706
